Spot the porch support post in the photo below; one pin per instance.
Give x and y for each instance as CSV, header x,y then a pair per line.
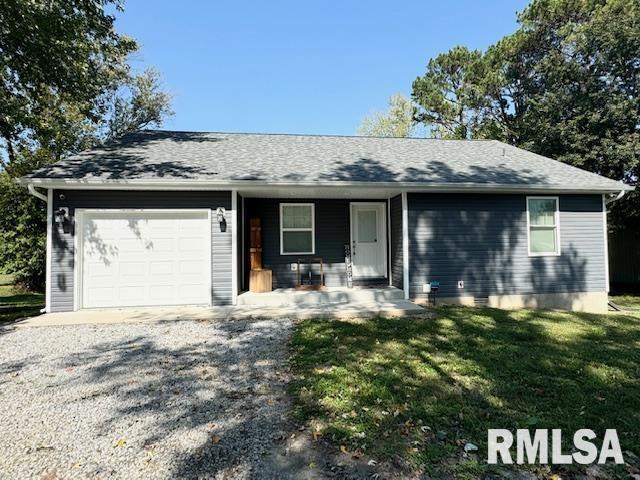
x,y
47,295
606,244
405,245
389,271
234,246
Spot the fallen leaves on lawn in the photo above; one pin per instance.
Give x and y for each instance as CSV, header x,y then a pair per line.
x,y
470,447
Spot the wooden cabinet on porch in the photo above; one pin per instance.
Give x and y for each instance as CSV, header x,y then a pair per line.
x,y
260,279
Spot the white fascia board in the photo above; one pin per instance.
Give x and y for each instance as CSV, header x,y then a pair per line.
x,y
197,184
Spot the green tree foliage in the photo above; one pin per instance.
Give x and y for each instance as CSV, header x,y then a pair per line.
x,y
65,85
397,121
58,59
446,94
564,85
142,104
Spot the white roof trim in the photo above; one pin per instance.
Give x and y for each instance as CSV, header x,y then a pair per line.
x,y
195,184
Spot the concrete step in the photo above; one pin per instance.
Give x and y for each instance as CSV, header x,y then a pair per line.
x,y
329,296
391,309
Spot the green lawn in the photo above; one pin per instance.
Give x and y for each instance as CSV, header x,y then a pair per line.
x,y
421,388
628,301
16,303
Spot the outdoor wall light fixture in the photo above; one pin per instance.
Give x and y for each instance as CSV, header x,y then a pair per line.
x,y
62,214
220,215
62,218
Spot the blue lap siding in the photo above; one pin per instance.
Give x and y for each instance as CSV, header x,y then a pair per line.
x,y
395,217
481,239
63,259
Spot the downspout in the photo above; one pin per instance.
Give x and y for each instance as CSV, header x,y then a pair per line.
x,y
45,199
37,194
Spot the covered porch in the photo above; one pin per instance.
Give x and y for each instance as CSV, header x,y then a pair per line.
x,y
325,247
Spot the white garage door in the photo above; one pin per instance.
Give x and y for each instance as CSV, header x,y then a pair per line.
x,y
145,258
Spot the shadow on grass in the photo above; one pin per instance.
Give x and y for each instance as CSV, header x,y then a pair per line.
x,y
421,388
8,315
22,299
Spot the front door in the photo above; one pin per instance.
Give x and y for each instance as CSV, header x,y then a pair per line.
x,y
368,240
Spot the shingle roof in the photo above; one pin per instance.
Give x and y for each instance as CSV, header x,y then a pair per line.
x,y
286,159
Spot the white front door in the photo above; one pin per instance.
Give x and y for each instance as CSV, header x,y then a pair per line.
x,y
368,240
144,258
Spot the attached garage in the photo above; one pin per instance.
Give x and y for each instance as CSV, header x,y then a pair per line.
x,y
143,258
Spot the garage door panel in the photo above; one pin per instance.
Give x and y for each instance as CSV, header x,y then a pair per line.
x,y
128,295
190,244
145,258
161,244
158,292
161,268
101,296
191,268
192,291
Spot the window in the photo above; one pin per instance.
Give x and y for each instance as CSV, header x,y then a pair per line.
x,y
542,219
297,235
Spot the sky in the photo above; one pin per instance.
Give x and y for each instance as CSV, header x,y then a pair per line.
x,y
299,66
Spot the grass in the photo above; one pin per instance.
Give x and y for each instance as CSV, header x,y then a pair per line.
x,y
16,303
420,388
629,301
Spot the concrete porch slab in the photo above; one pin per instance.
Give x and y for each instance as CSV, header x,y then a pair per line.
x,y
389,309
283,297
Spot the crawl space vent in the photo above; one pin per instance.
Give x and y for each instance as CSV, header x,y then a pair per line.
x,y
481,301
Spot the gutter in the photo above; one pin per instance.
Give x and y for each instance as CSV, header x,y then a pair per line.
x,y
197,184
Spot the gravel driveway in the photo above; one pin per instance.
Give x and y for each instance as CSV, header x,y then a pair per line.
x,y
178,399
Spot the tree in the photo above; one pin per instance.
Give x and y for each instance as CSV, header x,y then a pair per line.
x,y
446,94
564,85
582,88
397,121
65,86
58,60
142,104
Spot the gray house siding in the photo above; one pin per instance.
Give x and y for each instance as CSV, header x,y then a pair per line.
x,y
62,260
481,239
332,232
395,216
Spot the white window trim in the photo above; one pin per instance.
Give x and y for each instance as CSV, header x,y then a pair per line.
x,y
557,227
312,229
